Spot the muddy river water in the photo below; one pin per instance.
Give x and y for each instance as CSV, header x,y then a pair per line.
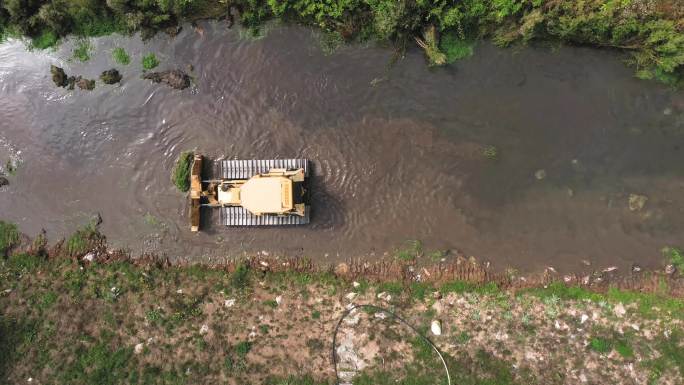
x,y
398,149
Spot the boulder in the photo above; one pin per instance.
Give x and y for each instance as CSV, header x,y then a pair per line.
x,y
85,84
111,76
59,77
174,78
3,181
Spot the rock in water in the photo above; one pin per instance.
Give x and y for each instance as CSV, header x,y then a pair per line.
x,y
3,181
111,76
174,78
85,84
59,77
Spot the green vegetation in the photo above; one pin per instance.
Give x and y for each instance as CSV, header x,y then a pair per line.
x,y
121,56
45,40
181,173
82,50
651,34
675,256
671,355
647,303
491,153
456,48
82,240
600,345
149,62
9,237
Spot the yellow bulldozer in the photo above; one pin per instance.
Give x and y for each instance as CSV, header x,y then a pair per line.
x,y
251,192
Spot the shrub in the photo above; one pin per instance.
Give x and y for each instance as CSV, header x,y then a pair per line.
x,y
240,278
121,56
149,62
45,40
181,172
455,48
82,50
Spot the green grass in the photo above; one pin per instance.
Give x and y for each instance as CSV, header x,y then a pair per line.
x,y
121,56
9,236
600,345
270,303
671,356
81,240
240,277
46,39
149,62
181,172
456,48
82,50
647,303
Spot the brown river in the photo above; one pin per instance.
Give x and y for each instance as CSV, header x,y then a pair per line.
x,y
397,147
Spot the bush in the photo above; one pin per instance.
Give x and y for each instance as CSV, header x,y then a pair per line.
x,y
149,62
455,48
181,173
240,278
82,50
121,56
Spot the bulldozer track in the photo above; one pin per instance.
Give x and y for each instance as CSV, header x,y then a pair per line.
x,y
244,169
239,216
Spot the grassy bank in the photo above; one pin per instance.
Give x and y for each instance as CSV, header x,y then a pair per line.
x,y
77,313
650,31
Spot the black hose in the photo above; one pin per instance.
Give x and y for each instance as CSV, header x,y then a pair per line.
x,y
378,308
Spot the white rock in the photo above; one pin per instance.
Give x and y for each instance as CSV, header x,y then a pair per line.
x,y
583,377
139,348
89,257
540,174
279,299
179,291
619,310
385,296
635,327
204,329
351,296
229,302
609,269
263,263
353,317
436,328
30,379
356,284
584,318
380,315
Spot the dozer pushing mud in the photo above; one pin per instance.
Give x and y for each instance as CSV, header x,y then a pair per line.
x,y
251,192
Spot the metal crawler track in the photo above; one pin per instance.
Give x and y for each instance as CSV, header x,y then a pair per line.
x,y
244,169
239,216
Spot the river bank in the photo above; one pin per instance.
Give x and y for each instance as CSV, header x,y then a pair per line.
x,y
79,313
650,31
